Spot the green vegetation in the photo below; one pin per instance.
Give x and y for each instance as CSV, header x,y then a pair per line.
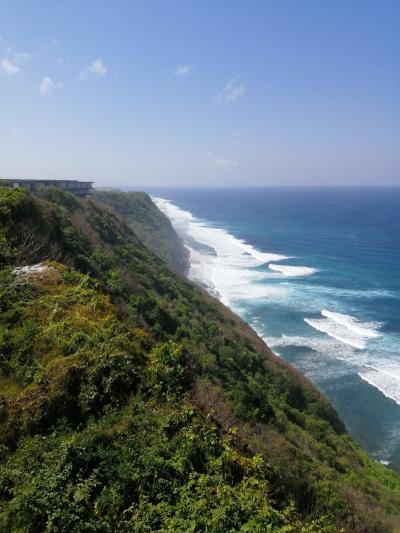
x,y
149,224
132,401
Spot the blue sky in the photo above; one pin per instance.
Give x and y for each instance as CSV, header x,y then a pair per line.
x,y
139,93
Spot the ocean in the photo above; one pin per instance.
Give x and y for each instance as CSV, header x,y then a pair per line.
x,y
316,272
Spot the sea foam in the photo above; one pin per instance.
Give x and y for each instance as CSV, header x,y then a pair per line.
x,y
345,328
228,268
224,264
382,374
366,329
387,383
293,271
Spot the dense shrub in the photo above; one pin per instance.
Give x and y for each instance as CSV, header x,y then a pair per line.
x,y
169,371
132,401
61,198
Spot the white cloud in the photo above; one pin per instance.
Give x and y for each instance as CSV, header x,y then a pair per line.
x,y
11,65
96,69
232,91
220,163
46,86
9,68
183,71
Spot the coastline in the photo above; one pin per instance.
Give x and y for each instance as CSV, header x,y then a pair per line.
x,y
239,276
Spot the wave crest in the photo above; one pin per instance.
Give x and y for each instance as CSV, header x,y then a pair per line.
x,y
385,382
224,264
345,328
293,271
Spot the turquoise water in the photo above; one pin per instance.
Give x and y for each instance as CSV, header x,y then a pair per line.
x,y
317,273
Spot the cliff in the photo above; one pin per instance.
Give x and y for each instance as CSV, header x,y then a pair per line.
x,y
151,225
133,401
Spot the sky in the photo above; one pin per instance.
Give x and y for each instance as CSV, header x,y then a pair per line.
x,y
133,93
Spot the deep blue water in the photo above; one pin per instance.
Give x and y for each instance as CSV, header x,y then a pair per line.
x,y
336,316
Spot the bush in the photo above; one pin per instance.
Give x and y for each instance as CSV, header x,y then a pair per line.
x,y
61,198
169,371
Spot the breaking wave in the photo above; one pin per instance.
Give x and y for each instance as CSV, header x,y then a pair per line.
x,y
345,328
293,271
224,264
229,268
386,382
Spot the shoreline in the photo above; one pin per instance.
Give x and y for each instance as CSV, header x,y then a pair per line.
x,y
328,329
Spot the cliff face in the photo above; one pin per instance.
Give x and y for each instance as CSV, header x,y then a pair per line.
x,y
151,225
130,400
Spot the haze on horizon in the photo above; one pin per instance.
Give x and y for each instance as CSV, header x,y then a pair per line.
x,y
147,93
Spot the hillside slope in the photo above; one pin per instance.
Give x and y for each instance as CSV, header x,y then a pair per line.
x,y
133,401
151,225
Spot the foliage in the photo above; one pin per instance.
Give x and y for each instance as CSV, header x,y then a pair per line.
x,y
169,371
149,224
61,198
141,470
132,401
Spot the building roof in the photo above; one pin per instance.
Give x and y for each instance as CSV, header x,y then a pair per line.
x,y
44,180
